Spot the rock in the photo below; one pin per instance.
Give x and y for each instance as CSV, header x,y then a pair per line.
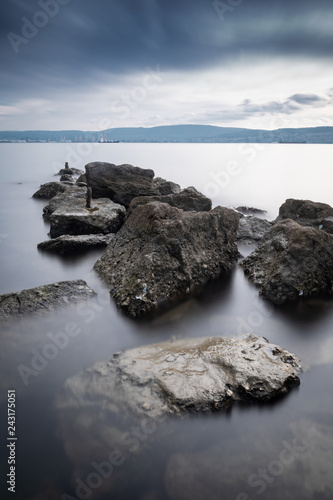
x,y
252,229
70,171
67,178
162,255
250,210
43,298
188,199
73,218
292,261
81,184
82,179
66,244
308,213
166,187
120,183
49,190
189,375
69,196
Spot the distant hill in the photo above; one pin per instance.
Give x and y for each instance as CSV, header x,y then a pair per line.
x,y
177,133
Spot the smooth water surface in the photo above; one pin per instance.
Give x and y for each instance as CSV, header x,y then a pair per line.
x,y
234,455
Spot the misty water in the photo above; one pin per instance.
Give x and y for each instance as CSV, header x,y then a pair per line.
x,y
234,455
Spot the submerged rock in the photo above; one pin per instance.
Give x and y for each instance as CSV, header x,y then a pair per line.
x,y
283,464
193,375
252,229
308,213
162,255
188,199
49,190
130,405
43,298
67,244
73,218
292,261
120,183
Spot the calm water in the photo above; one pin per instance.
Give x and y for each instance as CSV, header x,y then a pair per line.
x,y
224,456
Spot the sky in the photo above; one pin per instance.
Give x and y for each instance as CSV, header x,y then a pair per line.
x,y
99,64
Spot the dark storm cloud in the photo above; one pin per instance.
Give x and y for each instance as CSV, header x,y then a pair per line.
x,y
85,38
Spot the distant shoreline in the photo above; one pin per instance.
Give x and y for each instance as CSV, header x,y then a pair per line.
x,y
192,134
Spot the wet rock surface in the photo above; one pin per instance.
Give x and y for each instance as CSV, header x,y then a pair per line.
x,y
73,218
67,244
191,375
308,213
292,261
188,199
49,190
163,254
43,299
120,183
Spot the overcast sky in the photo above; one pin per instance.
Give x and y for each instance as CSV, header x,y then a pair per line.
x,y
97,64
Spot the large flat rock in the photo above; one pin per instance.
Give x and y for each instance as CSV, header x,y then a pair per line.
x,y
204,374
162,255
73,218
120,183
66,198
43,299
129,403
292,261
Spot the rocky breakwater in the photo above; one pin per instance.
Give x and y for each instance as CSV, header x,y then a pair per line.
x,y
74,227
292,261
163,254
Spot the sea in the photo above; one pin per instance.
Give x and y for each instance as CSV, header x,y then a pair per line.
x,y
274,451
